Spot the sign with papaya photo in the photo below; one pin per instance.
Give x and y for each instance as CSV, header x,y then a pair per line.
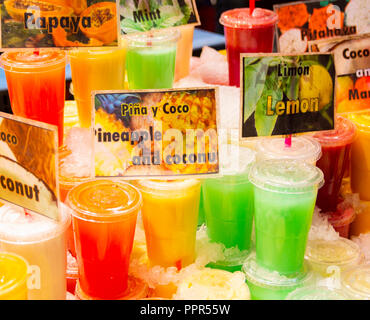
x,y
28,164
58,23
303,24
286,94
156,133
145,15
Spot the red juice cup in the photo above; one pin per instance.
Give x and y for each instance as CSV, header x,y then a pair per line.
x,y
334,161
245,33
36,85
341,219
104,219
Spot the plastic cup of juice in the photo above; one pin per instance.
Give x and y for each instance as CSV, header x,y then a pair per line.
x,y
271,285
184,52
104,218
43,243
136,290
246,33
361,223
228,205
13,273
322,254
284,200
341,219
212,284
36,85
360,155
151,59
316,293
356,282
170,217
334,161
95,69
303,148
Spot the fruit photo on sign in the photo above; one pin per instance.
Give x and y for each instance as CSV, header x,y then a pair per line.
x,y
158,133
287,94
352,93
58,23
145,15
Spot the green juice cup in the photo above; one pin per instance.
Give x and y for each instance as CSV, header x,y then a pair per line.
x,y
284,198
228,207
151,59
270,285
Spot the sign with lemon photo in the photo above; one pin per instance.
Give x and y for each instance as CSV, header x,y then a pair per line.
x,y
287,94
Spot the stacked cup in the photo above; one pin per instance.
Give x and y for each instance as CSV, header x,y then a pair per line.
x,y
336,147
286,182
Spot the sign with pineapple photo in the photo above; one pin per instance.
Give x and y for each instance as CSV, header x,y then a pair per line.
x,y
150,133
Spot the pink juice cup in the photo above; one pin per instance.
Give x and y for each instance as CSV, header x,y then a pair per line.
x,y
246,33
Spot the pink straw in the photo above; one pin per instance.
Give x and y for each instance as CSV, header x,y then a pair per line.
x,y
251,6
288,141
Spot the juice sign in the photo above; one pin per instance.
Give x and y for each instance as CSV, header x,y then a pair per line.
x,y
141,16
303,24
151,133
28,165
58,23
286,94
352,62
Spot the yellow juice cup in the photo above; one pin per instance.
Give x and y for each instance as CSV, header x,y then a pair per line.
x,y
322,254
361,224
170,217
184,52
95,69
13,277
360,155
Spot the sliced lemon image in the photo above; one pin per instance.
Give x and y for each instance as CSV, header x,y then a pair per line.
x,y
317,84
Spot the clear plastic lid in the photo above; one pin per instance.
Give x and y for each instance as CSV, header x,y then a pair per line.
x,y
303,148
241,18
13,272
361,120
334,252
30,60
104,200
153,38
235,159
343,134
20,226
286,176
273,280
316,293
356,282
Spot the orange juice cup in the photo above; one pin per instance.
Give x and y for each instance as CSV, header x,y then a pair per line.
x,y
184,52
104,219
13,277
360,155
170,217
361,224
36,85
95,69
